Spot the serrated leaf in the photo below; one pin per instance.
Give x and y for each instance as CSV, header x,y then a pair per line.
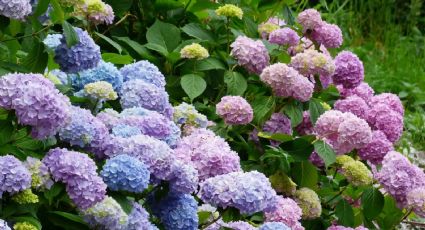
x,y
236,83
71,35
372,203
196,31
305,174
111,42
36,60
316,109
345,213
117,58
294,111
193,85
325,152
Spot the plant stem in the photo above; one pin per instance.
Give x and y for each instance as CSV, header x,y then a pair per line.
x,y
26,36
212,222
228,34
337,195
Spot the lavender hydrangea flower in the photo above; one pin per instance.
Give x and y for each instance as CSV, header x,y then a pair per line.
x,y
349,70
99,12
376,150
353,104
125,173
239,225
329,35
382,117
184,179
392,100
416,200
145,71
287,82
287,211
176,211
210,154
106,214
235,110
138,219
274,226
125,131
14,176
398,177
316,160
36,103
363,90
108,117
309,19
3,225
79,174
104,71
309,203
138,93
249,192
174,137
82,56
252,55
272,24
152,124
278,123
305,127
284,36
15,9
312,62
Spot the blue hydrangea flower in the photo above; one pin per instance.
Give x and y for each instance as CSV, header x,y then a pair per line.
x,y
52,41
274,226
106,214
125,131
135,111
16,9
125,173
82,56
14,176
177,211
145,71
185,177
138,93
174,137
138,219
105,71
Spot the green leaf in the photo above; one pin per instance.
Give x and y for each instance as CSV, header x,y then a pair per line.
x,y
36,60
262,106
140,49
325,152
6,132
158,48
209,64
41,8
110,41
70,35
70,216
29,144
236,83
203,217
372,203
316,109
276,136
345,213
124,202
294,111
56,15
391,214
117,58
164,35
53,192
276,159
300,149
196,31
305,174
193,85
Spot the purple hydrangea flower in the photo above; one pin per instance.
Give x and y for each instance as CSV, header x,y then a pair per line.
x,y
305,127
184,179
287,82
152,124
309,19
16,9
125,173
138,93
249,192
287,211
349,70
176,211
210,154
252,55
278,123
14,176
108,117
239,225
392,100
78,172
363,90
376,150
105,16
106,214
383,117
312,62
235,110
82,56
104,71
284,36
316,160
145,71
398,176
138,219
329,35
416,200
274,226
36,103
353,104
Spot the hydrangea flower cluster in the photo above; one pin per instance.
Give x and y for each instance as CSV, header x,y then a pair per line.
x,y
249,192
25,197
278,123
309,19
376,150
287,211
145,71
312,62
382,117
96,12
329,35
339,227
15,9
266,28
349,71
343,131
229,10
125,131
125,173
82,56
177,211
138,219
3,225
208,153
36,103
355,171
78,172
106,214
354,104
52,41
287,82
363,91
282,183
252,55
104,71
416,200
186,114
274,226
24,226
100,90
194,51
14,176
284,36
40,177
235,110
309,203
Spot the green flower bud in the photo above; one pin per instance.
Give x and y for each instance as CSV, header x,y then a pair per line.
x,y
283,184
100,90
24,226
357,173
194,51
25,197
309,202
229,10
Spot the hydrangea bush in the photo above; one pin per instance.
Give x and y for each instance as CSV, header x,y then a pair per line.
x,y
185,115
